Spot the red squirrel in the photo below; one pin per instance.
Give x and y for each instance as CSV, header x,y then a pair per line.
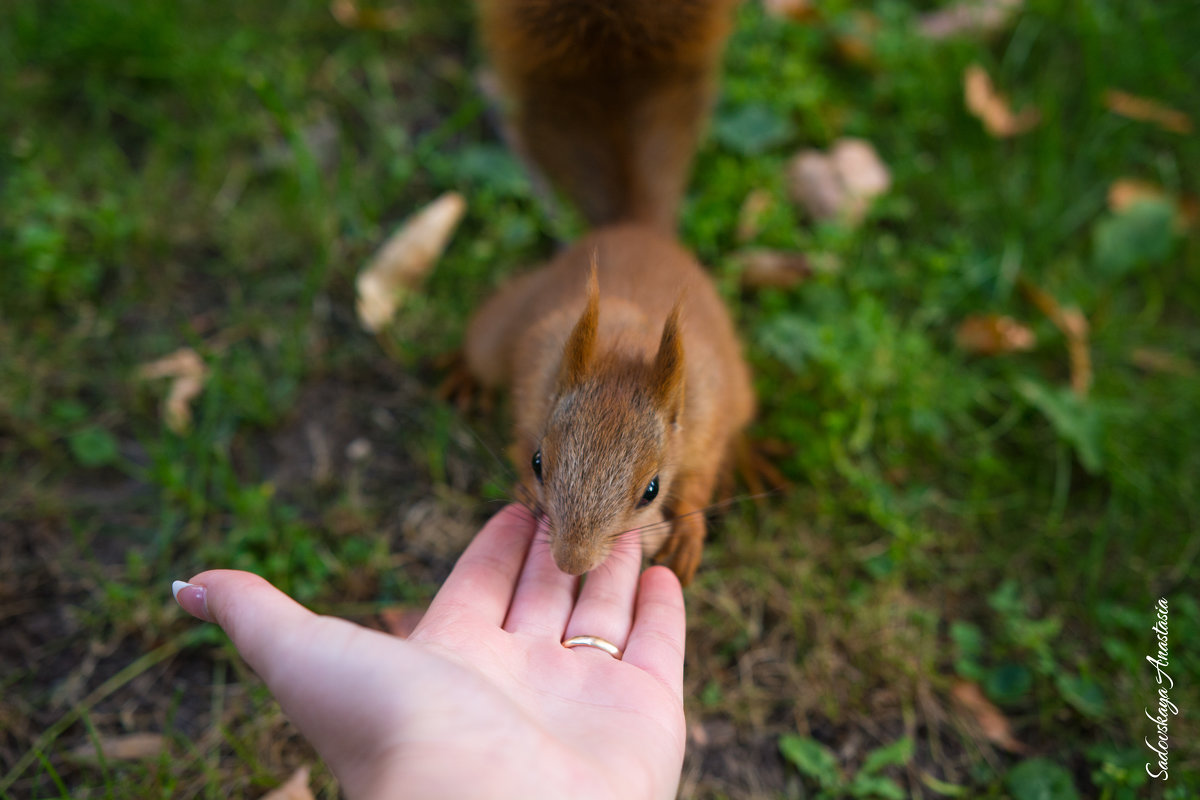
x,y
628,382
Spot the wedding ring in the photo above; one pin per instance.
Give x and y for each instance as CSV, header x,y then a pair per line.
x,y
596,642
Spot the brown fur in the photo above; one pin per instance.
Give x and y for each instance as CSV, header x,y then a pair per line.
x,y
609,97
633,372
662,390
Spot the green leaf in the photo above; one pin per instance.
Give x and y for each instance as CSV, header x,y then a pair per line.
x,y
1140,235
1008,682
812,758
1073,418
93,447
1082,693
968,641
896,753
492,167
1040,779
875,786
751,129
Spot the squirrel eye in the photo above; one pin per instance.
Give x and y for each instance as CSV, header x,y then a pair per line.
x,y
537,465
650,493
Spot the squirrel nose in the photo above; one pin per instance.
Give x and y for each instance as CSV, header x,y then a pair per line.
x,y
572,556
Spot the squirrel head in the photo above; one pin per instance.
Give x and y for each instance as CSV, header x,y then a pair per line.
x,y
606,461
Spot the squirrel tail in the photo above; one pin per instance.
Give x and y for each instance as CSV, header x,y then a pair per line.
x,y
608,98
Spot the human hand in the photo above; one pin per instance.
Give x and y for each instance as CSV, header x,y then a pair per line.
x,y
482,700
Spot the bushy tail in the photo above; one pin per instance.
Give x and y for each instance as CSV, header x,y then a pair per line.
x,y
609,97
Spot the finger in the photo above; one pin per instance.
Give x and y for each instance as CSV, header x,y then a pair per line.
x,y
659,627
544,596
262,621
605,604
482,581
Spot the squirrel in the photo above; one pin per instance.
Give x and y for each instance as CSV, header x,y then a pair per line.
x,y
628,383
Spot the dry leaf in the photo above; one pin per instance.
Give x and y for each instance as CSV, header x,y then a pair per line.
x,y
405,259
773,268
295,788
970,16
1124,192
991,720
857,46
795,10
350,15
993,334
840,185
132,747
992,108
1144,109
189,373
757,203
401,621
1074,326
1152,360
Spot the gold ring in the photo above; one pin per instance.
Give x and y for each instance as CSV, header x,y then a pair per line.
x,y
596,642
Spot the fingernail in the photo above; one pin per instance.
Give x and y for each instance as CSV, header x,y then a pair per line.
x,y
192,599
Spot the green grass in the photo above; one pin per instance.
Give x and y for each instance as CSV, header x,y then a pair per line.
x,y
213,176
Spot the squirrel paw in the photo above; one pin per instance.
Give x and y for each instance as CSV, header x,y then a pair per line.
x,y
683,548
754,462
459,387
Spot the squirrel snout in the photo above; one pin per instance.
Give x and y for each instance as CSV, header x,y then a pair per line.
x,y
572,556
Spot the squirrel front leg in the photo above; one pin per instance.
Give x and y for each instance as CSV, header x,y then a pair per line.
x,y
684,546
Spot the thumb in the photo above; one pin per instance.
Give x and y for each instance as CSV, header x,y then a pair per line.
x,y
262,621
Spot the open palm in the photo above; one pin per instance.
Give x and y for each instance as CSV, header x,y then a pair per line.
x,y
482,700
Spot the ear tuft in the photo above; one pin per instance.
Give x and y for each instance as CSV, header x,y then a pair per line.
x,y
668,374
577,354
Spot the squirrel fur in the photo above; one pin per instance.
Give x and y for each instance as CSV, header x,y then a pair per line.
x,y
628,383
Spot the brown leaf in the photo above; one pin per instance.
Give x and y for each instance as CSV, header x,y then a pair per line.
x,y
993,334
1124,192
857,45
970,16
773,268
294,788
1074,326
189,373
991,721
131,747
405,260
350,15
1152,360
756,204
992,108
1143,109
401,621
795,10
841,184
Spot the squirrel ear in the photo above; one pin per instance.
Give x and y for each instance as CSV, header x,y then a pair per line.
x,y
667,380
578,352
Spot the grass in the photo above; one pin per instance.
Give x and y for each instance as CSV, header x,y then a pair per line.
x,y
213,176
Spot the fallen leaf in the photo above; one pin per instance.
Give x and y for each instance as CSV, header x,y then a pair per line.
x,y
1152,360
991,721
992,108
1074,326
1124,193
971,16
993,334
773,269
1144,109
857,44
405,259
841,184
795,10
131,747
294,788
756,204
401,621
350,15
189,373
